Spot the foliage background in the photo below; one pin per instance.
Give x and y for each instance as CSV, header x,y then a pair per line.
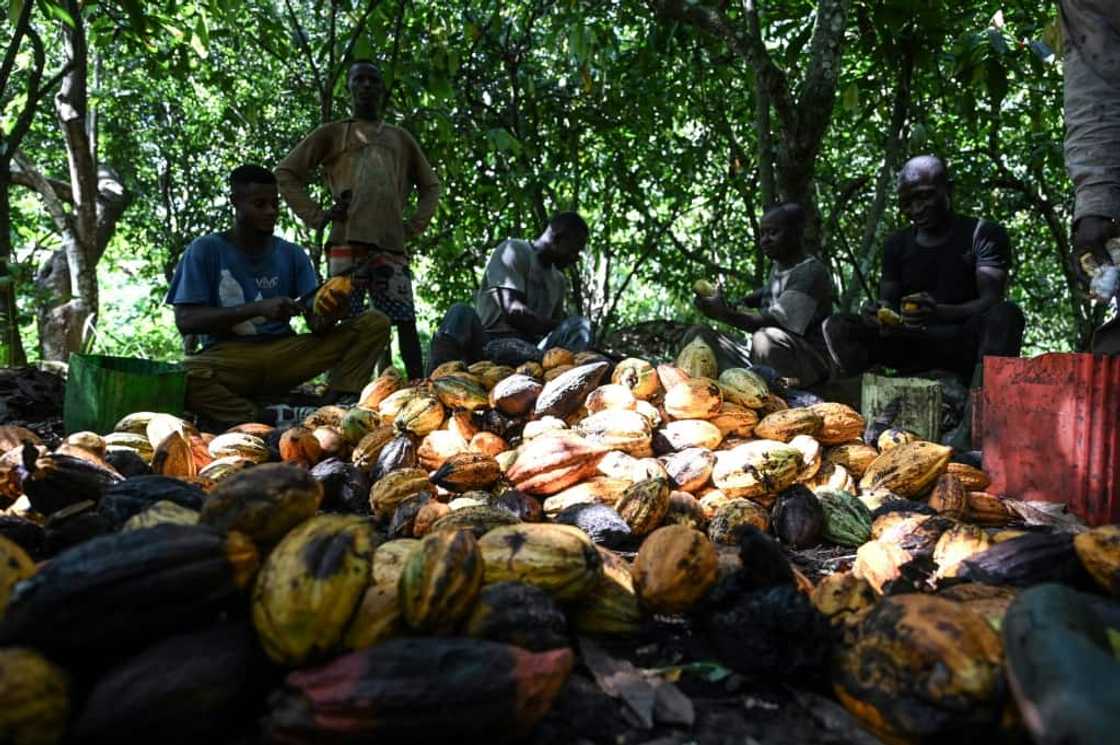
x,y
641,121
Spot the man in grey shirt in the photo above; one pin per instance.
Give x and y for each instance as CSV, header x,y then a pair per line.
x,y
1091,65
784,316
521,297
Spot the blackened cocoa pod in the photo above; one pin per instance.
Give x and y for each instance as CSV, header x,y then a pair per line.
x,y
345,486
132,496
26,534
75,524
116,591
405,515
486,691
565,393
603,525
525,507
1025,561
798,517
519,614
399,453
56,481
185,689
511,351
127,462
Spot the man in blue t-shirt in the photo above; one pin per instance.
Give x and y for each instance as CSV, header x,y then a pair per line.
x,y
237,291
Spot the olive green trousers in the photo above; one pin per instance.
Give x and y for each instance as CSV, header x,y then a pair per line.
x,y
226,381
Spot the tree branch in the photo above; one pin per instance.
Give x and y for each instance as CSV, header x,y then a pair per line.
x,y
23,23
28,175
749,47
60,189
304,46
814,105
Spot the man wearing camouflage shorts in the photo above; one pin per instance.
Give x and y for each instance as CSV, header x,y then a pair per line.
x,y
371,168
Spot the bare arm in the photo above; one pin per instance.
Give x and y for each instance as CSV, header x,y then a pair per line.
x,y
521,316
991,284
718,308
205,319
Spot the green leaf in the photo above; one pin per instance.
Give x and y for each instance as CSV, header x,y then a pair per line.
x,y
58,12
850,99
503,140
15,9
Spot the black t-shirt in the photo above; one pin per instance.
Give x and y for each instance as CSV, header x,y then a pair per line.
x,y
947,272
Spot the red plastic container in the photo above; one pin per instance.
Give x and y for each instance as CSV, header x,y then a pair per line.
x,y
1051,431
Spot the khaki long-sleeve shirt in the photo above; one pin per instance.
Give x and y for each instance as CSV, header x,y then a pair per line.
x,y
1091,30
379,164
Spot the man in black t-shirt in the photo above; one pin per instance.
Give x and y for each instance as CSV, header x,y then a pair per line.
x,y
947,274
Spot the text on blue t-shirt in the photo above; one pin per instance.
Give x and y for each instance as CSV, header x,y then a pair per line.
x,y
215,272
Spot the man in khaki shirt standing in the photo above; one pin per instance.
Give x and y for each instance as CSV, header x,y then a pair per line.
x,y
370,168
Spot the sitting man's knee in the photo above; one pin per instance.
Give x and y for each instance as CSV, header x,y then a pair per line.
x,y
372,322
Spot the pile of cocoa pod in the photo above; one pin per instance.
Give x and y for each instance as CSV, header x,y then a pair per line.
x,y
447,541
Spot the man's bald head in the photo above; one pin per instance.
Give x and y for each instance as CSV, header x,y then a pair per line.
x,y
924,194
926,170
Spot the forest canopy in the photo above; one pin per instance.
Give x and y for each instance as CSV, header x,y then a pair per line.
x,y
668,124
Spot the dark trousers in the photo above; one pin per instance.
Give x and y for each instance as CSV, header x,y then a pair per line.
x,y
461,337
957,347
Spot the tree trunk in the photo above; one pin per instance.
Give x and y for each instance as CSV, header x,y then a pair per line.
x,y
892,154
11,345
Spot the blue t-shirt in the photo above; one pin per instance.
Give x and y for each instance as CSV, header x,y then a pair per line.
x,y
215,272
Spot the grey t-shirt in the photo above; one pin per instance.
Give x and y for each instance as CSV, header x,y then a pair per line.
x,y
799,297
515,265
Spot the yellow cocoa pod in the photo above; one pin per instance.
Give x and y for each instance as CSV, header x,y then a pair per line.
x,y
698,398
559,559
610,396
644,505
787,424
675,567
393,488
438,446
698,360
36,698
1099,551
907,470
757,470
744,387
611,606
639,376
380,388
732,516
892,438
557,357
327,302
420,416
618,429
440,581
972,479
460,392
735,420
467,471
840,423
956,544
15,565
855,457
309,587
239,445
704,288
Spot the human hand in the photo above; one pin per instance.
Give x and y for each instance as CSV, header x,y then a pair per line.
x,y
712,306
279,308
1090,234
918,309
